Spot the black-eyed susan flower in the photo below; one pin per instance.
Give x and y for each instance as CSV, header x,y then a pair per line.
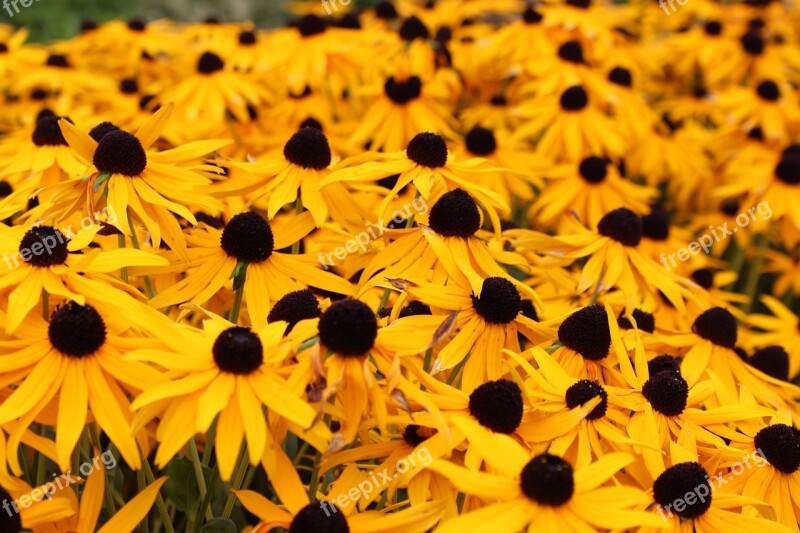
x,y
450,245
591,187
204,98
569,125
245,251
151,186
487,321
301,513
547,492
401,108
223,372
43,259
711,346
428,165
614,259
297,174
774,450
76,361
709,509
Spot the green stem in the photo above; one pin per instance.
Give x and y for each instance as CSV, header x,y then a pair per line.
x,y
237,480
596,293
754,273
298,208
37,471
198,473
457,370
426,365
45,305
553,347
384,299
162,509
237,305
148,285
314,481
124,270
300,454
209,447
309,343
141,484
108,496
736,263
205,505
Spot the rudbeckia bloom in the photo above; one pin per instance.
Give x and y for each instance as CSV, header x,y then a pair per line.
x,y
502,151
154,185
773,108
594,20
782,328
353,355
44,259
768,184
315,54
546,492
402,108
774,476
77,356
202,99
570,417
714,511
427,164
591,188
223,372
586,337
708,47
570,124
61,513
302,168
711,347
673,148
614,259
301,513
247,247
487,321
450,245
42,160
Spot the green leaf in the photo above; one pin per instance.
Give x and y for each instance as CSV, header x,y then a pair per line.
x,y
239,274
219,525
181,487
99,180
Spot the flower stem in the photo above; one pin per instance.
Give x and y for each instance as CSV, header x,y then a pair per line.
x,y
123,272
45,305
298,208
237,305
237,480
456,370
148,285
205,505
162,509
198,473
754,273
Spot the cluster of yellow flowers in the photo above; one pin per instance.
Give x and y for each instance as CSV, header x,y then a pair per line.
x,y
460,265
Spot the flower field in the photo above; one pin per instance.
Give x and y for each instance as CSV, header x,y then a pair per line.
x,y
457,265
